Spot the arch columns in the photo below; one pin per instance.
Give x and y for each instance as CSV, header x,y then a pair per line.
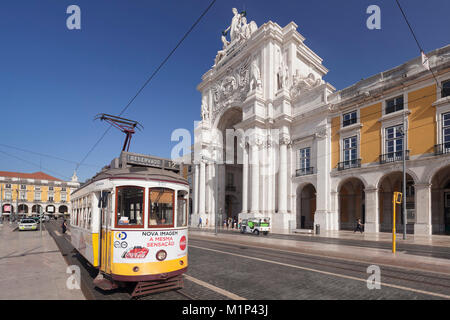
x,y
202,189
423,209
372,223
245,179
282,176
255,176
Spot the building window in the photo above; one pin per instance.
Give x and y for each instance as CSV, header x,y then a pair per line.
x,y
350,151
304,158
22,195
50,188
8,186
349,118
395,104
63,197
394,141
7,194
446,129
445,89
23,187
50,197
37,188
63,189
37,196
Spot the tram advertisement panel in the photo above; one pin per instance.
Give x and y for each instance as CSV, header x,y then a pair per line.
x,y
142,246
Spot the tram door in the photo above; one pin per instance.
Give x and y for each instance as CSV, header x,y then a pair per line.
x,y
447,212
105,211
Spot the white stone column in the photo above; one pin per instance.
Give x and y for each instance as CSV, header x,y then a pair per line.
x,y
423,209
212,187
282,177
245,179
372,223
255,178
202,188
196,190
270,175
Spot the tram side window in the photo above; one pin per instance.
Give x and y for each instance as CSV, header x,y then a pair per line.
x,y
130,203
161,207
181,210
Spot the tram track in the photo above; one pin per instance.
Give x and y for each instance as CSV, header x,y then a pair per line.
x,y
437,284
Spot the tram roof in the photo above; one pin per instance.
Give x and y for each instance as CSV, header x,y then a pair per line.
x,y
141,173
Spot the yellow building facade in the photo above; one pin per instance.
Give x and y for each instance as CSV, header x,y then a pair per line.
x,y
404,111
26,194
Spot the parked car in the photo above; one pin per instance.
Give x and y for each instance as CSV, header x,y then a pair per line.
x,y
27,224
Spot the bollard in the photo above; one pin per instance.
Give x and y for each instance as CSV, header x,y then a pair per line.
x,y
317,228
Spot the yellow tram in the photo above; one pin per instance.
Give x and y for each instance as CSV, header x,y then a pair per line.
x,y
131,223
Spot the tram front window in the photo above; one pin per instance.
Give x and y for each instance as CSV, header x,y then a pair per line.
x,y
161,207
130,203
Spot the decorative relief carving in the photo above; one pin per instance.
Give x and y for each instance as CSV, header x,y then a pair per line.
x,y
285,140
205,109
302,84
235,86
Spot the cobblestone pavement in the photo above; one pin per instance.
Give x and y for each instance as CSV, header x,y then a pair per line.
x,y
413,249
269,274
226,270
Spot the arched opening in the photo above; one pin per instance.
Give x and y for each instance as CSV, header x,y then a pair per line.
x,y
232,207
306,206
50,209
63,209
23,209
440,201
390,183
230,176
7,208
351,204
36,209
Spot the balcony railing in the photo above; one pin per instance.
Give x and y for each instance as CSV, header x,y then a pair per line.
x,y
442,148
393,156
304,171
354,163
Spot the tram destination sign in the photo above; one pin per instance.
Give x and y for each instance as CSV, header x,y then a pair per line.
x,y
149,161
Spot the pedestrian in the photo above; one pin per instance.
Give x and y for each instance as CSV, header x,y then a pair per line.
x,y
239,224
207,222
359,226
64,226
199,222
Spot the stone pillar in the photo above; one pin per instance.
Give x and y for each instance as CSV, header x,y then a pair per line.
x,y
282,177
255,178
423,209
245,179
202,188
270,175
372,223
196,191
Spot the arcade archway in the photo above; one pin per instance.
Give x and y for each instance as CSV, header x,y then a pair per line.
x,y
306,206
351,203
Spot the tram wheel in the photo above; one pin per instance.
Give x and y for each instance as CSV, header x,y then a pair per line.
x,y
256,232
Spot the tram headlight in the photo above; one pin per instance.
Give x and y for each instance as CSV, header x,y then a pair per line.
x,y
161,255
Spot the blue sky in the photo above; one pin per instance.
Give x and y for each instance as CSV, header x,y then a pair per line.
x,y
53,81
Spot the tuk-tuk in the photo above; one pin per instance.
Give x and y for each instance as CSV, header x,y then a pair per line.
x,y
256,225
